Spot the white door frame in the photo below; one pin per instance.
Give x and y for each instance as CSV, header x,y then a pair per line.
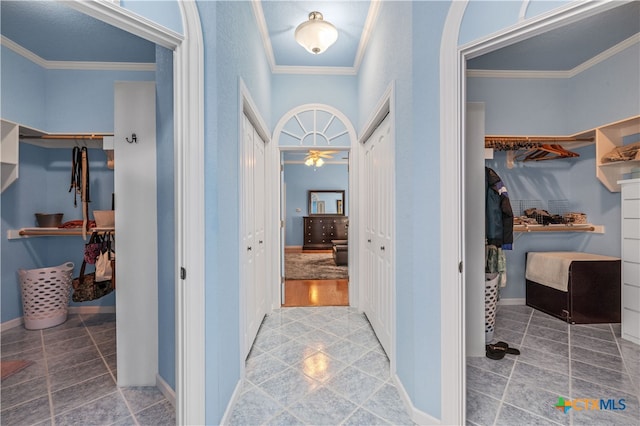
x,y
188,110
452,131
274,154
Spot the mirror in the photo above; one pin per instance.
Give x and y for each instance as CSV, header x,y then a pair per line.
x,y
326,201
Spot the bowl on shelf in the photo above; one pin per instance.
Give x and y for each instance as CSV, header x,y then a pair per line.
x,y
49,220
104,218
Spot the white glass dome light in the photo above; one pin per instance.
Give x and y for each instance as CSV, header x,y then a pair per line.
x,y
316,35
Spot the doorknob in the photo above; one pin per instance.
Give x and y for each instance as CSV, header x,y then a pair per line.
x,y
381,247
369,240
260,242
249,248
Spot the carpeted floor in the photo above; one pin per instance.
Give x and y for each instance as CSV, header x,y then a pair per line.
x,y
313,266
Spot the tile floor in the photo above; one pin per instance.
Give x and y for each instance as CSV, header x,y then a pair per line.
x,y
557,360
324,366
318,366
72,379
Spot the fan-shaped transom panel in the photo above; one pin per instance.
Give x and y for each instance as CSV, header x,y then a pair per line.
x,y
315,127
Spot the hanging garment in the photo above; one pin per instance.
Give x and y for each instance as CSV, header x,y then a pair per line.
x,y
496,263
498,215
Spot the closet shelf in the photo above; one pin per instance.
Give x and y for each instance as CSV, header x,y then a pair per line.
x,y
586,227
14,234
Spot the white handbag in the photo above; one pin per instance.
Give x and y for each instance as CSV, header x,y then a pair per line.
x,y
104,268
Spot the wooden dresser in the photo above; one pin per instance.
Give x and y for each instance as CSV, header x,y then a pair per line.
x,y
320,230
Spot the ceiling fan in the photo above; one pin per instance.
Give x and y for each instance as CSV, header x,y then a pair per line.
x,y
316,158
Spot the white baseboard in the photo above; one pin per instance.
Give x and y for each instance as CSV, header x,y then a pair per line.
x,y
419,417
7,325
166,390
514,301
232,402
92,309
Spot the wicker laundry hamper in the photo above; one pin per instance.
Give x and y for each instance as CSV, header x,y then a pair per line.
x,y
490,305
45,295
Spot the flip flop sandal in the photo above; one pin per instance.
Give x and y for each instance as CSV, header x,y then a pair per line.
x,y
494,352
505,346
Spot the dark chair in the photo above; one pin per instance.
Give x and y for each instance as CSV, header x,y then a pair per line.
x,y
340,252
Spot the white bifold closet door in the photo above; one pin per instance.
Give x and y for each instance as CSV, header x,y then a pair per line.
x,y
378,207
253,275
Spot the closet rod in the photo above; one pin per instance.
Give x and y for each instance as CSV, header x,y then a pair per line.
x,y
67,137
507,143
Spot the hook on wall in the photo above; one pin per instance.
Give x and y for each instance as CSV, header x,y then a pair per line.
x,y
134,138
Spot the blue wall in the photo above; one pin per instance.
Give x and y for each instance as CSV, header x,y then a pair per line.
x,y
23,88
233,50
338,91
560,107
300,179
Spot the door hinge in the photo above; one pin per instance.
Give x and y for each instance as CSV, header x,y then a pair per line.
x,y
282,224
460,267
183,273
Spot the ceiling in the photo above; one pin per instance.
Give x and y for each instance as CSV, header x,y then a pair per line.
x,y
57,33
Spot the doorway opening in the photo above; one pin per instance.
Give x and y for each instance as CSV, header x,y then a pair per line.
x,y
314,191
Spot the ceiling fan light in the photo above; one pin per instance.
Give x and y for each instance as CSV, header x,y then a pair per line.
x,y
309,162
319,162
316,35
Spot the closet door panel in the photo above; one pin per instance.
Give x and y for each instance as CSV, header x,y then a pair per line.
x,y
260,274
253,256
248,236
379,211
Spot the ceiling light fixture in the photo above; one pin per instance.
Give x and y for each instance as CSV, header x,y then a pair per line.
x,y
316,34
314,161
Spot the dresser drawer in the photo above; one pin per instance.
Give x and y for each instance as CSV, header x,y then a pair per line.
x,y
631,209
631,250
631,191
631,228
631,297
631,273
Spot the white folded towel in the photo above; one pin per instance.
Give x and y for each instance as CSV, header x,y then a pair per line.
x,y
551,268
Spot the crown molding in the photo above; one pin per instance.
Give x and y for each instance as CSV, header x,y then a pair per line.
x,y
372,17
612,51
75,65
264,33
517,74
287,69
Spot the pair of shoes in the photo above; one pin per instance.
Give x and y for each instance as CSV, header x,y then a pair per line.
x,y
499,350
505,346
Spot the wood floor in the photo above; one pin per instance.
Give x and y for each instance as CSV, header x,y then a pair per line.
x,y
316,293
